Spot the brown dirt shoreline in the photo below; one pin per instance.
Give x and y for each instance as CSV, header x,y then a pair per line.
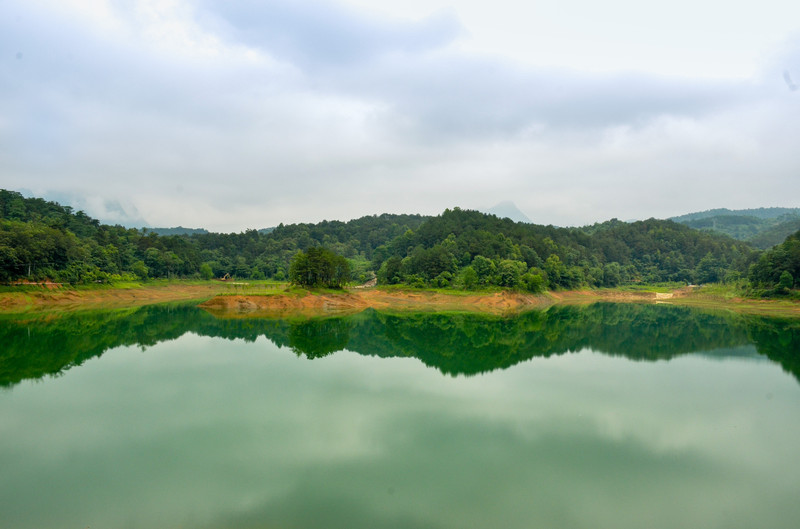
x,y
317,304
66,300
219,299
310,304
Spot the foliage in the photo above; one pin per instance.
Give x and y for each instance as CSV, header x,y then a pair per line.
x,y
43,240
762,228
501,252
777,269
319,267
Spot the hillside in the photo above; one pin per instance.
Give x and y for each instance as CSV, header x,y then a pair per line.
x,y
763,227
778,270
44,240
759,213
178,230
466,249
469,248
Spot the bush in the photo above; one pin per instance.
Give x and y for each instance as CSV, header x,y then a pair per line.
x,y
206,272
533,283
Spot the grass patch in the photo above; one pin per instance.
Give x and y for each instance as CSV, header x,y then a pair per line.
x,y
449,291
661,288
253,288
720,290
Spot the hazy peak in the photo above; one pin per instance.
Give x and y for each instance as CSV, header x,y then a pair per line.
x,y
508,209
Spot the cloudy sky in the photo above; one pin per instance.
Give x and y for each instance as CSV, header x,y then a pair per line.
x,y
247,113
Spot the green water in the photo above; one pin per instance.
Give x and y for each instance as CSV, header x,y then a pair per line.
x,y
608,416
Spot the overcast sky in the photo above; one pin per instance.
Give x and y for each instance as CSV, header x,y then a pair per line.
x,y
246,113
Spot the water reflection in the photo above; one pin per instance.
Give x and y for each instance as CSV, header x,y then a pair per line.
x,y
455,344
217,427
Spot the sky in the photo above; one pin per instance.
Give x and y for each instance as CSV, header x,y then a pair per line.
x,y
241,114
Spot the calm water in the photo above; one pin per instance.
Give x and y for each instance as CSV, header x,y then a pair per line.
x,y
609,416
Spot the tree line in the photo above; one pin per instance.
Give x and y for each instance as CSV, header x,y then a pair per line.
x,y
44,240
470,249
458,248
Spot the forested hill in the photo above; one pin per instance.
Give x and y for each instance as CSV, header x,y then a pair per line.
x,y
469,247
44,240
13,206
762,227
778,269
759,213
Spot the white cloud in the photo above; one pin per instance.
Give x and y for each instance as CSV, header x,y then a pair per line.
x,y
246,114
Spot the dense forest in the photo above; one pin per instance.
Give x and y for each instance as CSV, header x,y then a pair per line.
x,y
41,240
778,269
468,248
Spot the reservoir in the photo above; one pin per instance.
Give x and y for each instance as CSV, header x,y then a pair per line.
x,y
602,416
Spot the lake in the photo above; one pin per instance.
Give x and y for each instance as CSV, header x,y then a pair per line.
x,y
606,416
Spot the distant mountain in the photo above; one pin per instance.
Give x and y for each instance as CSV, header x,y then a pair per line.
x,y
178,230
775,235
508,210
759,213
762,227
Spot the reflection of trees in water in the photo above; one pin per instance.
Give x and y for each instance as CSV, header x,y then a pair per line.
x,y
468,344
452,343
778,340
317,338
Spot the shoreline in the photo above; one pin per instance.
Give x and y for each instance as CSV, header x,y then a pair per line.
x,y
47,300
307,303
240,300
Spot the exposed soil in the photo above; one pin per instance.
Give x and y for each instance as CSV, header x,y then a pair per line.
x,y
274,302
64,299
591,296
350,302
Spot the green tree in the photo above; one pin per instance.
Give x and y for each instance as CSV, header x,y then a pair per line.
x,y
555,270
533,282
319,267
140,269
612,274
206,272
707,270
485,268
389,272
469,278
509,272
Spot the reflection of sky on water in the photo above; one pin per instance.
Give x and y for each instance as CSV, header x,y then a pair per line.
x,y
204,432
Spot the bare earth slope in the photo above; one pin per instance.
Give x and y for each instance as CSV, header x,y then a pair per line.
x,y
349,302
224,301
